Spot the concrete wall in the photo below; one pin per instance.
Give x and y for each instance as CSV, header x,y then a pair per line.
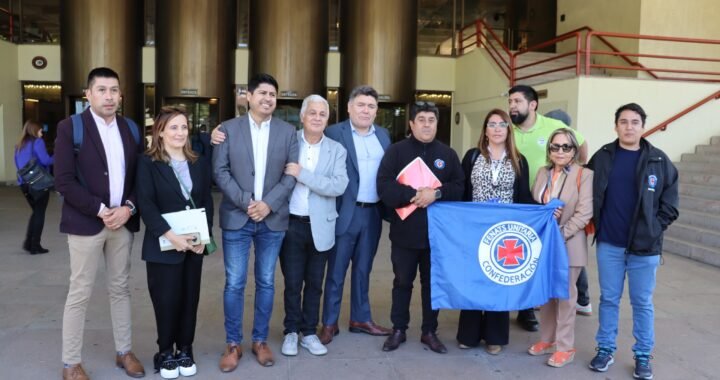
x,y
479,87
435,73
681,18
10,110
26,71
598,98
622,16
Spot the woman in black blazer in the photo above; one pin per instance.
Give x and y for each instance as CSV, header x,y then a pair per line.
x,y
165,174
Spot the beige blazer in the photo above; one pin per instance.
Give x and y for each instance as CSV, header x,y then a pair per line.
x,y
577,211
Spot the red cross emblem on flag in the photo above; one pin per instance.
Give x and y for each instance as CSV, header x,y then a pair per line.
x,y
509,253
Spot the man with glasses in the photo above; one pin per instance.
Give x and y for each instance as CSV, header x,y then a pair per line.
x,y
635,198
409,235
532,131
359,223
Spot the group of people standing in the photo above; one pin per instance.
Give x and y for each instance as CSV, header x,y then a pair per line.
x,y
316,198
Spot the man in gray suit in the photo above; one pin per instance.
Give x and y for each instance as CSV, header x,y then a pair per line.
x,y
321,176
249,168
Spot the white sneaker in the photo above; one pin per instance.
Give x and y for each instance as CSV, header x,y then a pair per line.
x,y
312,344
583,310
290,344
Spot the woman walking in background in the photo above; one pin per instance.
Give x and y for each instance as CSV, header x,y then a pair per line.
x,y
31,146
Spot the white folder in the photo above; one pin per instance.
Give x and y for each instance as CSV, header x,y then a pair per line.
x,y
186,222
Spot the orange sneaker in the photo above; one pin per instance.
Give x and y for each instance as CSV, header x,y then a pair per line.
x,y
541,348
561,358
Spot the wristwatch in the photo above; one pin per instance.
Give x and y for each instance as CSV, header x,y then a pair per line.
x,y
131,206
438,194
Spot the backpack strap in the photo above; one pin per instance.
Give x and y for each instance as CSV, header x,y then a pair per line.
x,y
78,131
134,130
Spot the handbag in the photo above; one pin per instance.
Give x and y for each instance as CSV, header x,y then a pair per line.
x,y
210,247
36,177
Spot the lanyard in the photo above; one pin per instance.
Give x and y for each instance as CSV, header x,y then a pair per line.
x,y
495,167
183,185
550,184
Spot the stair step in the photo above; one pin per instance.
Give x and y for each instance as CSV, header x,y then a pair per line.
x,y
693,251
694,157
699,219
696,235
699,204
708,149
700,167
699,191
699,179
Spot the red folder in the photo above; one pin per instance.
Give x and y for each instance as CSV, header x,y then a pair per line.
x,y
416,175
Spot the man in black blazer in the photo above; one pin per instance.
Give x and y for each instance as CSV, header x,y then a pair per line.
x,y
98,213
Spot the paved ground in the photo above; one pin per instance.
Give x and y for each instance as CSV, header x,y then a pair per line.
x,y
33,290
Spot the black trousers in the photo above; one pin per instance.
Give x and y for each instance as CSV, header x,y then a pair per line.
x,y
38,202
405,262
583,297
302,264
175,293
491,326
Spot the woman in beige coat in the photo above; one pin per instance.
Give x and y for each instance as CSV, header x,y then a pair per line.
x,y
563,178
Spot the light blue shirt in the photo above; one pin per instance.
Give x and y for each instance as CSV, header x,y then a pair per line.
x,y
369,153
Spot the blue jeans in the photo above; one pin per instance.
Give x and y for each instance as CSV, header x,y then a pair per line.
x,y
236,248
613,264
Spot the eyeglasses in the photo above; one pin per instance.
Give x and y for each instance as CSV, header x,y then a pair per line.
x,y
501,124
565,148
424,104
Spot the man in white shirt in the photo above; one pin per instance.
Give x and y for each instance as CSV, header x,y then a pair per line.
x,y
97,181
249,168
321,177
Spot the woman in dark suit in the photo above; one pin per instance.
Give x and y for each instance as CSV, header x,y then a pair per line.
x,y
494,172
170,177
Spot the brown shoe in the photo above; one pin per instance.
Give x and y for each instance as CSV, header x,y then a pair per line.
x,y
263,353
75,372
369,328
327,333
432,341
230,358
131,364
394,340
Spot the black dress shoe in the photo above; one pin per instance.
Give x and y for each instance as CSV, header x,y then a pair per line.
x,y
527,320
394,340
431,340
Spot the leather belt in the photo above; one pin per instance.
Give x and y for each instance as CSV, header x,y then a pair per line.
x,y
304,219
366,205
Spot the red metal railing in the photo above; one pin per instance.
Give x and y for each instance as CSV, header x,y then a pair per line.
x,y
486,38
708,75
482,36
663,126
539,47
